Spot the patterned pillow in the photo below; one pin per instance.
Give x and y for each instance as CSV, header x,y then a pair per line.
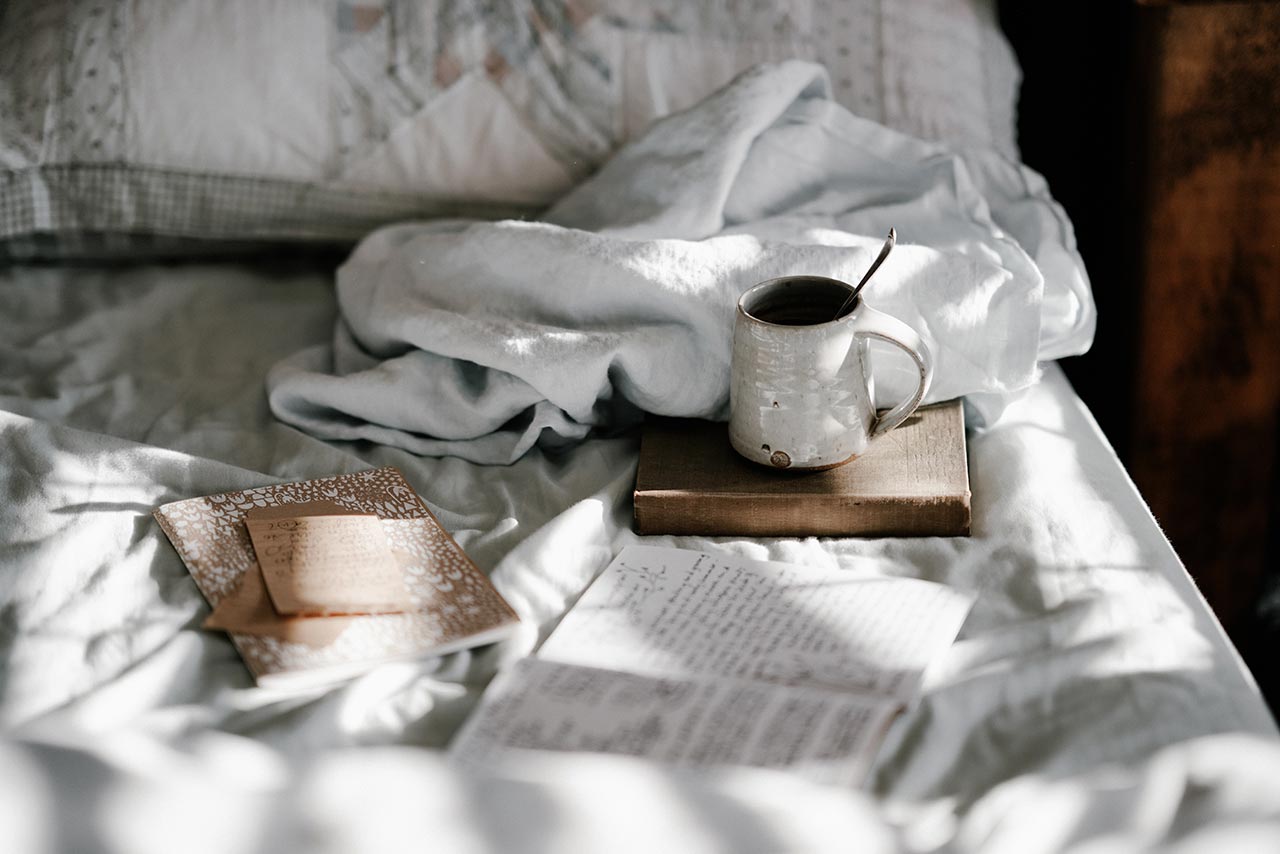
x,y
188,123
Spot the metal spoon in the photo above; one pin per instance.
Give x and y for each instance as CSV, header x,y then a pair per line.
x,y
875,265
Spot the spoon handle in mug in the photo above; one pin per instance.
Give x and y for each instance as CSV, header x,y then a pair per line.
x,y
873,324
889,243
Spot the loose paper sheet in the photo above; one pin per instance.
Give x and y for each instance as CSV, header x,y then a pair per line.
x,y
317,565
545,705
699,659
248,610
672,612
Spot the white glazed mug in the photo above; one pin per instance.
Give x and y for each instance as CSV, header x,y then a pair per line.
x,y
800,391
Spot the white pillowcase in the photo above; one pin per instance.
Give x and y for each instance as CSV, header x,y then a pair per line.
x,y
323,120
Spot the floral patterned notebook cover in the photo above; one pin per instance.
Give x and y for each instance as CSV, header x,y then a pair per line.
x,y
457,605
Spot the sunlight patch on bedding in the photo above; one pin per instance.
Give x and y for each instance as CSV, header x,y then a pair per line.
x,y
27,802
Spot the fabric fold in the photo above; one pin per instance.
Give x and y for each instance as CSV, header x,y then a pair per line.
x,y
481,339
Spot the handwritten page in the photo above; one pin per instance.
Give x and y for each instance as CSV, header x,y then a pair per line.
x,y
247,609
545,705
328,565
672,612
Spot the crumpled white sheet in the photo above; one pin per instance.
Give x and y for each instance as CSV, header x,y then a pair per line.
x,y
481,339
1214,794
1091,699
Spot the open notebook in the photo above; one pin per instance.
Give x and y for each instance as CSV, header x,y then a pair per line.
x,y
696,658
456,606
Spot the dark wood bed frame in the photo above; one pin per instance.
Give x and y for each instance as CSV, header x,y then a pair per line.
x,y
1158,126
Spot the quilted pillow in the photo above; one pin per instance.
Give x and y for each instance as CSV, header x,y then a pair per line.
x,y
130,127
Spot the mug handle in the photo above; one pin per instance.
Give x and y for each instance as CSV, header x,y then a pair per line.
x,y
869,323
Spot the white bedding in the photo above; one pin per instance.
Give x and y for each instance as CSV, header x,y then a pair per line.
x,y
1080,704
478,339
1090,703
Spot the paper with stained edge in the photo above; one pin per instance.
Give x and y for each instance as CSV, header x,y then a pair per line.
x,y
320,565
248,609
674,612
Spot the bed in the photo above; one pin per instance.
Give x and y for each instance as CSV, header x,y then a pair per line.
x,y
170,327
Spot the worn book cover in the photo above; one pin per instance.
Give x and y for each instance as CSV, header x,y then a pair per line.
x,y
913,481
453,604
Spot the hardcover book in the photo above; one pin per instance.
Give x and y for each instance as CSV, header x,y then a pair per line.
x,y
451,604
913,481
704,659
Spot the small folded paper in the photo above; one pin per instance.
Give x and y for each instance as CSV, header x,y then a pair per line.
x,y
324,565
318,566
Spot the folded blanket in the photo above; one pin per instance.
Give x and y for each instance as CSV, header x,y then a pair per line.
x,y
482,339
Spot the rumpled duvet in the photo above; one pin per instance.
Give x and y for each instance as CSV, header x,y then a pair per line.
x,y
481,339
1090,704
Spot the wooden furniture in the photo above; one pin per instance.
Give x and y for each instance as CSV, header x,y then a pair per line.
x,y
1203,441
1157,125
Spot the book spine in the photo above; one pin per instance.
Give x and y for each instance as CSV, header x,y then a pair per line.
x,y
685,513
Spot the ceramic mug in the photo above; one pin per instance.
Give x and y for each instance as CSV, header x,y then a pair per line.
x,y
800,392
